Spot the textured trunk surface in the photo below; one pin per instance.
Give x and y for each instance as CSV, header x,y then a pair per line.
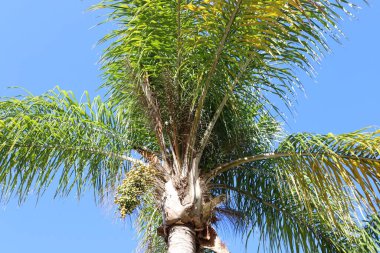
x,y
181,239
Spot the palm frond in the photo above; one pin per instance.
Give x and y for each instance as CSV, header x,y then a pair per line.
x,y
283,221
53,136
202,58
311,193
239,132
347,163
334,164
373,228
148,220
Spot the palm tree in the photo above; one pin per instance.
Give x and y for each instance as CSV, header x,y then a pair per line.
x,y
190,135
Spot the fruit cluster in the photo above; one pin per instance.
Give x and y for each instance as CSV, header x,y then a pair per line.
x,y
136,183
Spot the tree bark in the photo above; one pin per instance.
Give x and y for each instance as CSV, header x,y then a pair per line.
x,y
181,239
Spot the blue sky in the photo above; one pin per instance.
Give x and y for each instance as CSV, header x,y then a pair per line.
x,y
45,43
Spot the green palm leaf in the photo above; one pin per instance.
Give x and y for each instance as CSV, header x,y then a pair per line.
x,y
279,221
183,62
53,136
311,193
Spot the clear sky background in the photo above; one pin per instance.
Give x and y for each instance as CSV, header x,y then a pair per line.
x,y
46,43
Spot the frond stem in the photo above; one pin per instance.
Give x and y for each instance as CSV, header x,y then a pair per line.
x,y
194,127
225,167
218,111
92,150
156,115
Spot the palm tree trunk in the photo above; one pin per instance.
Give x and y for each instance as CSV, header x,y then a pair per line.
x,y
181,239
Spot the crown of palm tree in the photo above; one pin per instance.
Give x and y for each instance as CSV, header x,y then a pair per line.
x,y
192,124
